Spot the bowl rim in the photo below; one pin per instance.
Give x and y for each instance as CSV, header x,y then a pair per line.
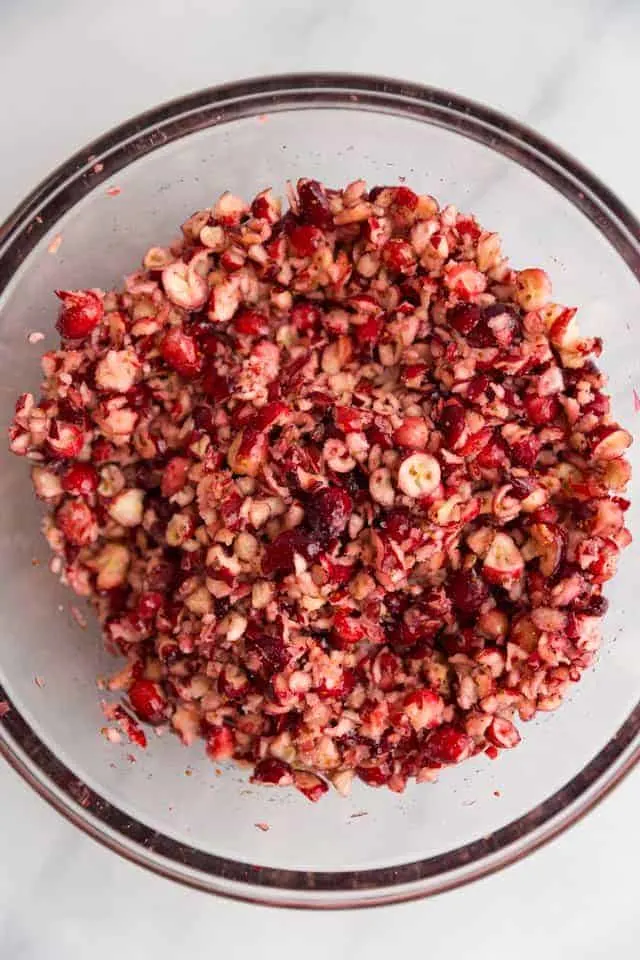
x,y
34,761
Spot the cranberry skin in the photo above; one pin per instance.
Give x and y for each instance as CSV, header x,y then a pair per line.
x,y
399,255
250,323
493,455
464,317
314,204
80,480
541,411
81,313
467,590
181,353
448,744
148,701
328,512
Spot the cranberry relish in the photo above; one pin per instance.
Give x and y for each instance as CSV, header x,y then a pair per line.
x,y
342,485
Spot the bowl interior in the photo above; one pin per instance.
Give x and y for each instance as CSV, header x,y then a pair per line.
x,y
49,662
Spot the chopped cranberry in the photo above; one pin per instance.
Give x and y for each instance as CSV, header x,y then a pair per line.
x,y
80,479
148,701
525,451
274,772
150,602
306,316
494,454
181,353
305,240
452,422
404,197
347,630
279,554
250,323
541,411
215,386
373,773
82,311
220,743
398,523
328,512
399,256
448,744
468,591
464,317
314,204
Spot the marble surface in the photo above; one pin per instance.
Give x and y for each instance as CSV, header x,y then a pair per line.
x,y
72,69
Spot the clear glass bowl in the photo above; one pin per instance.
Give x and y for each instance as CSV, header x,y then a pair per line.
x,y
200,828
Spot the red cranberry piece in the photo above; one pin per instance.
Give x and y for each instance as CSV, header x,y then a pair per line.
x,y
77,522
374,773
477,387
497,326
148,701
404,197
220,745
274,772
80,479
305,316
181,353
596,606
452,423
347,630
467,590
493,455
526,450
464,317
250,323
541,411
448,744
314,204
369,332
502,733
65,440
312,786
216,386
305,240
149,603
521,487
81,313
398,524
399,256
341,689
328,512
279,555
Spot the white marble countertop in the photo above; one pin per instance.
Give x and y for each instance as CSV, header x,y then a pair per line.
x,y
72,69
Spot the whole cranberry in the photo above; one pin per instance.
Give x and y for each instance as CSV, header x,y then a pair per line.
x,y
82,311
467,590
148,701
314,204
328,512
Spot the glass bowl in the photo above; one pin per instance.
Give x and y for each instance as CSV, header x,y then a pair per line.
x,y
170,810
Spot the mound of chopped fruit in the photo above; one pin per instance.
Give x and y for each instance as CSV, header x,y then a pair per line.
x,y
342,486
